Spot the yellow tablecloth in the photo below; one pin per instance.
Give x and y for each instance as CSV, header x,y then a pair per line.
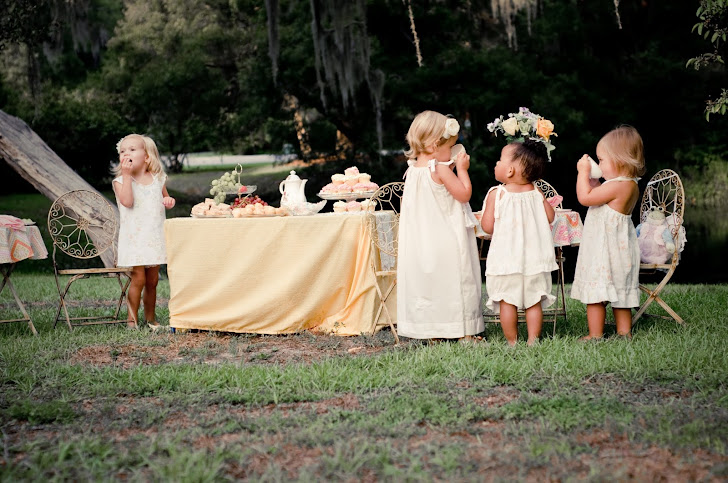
x,y
271,275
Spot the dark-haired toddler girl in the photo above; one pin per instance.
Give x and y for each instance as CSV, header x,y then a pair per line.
x,y
521,254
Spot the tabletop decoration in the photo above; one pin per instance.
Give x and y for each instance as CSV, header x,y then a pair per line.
x,y
522,125
349,186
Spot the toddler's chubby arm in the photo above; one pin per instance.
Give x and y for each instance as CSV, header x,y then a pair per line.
x,y
123,192
167,200
589,193
458,184
488,219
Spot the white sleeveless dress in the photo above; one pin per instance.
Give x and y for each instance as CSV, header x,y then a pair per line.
x,y
438,268
608,265
521,254
141,228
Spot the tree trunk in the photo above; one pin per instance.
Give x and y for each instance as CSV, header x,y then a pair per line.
x,y
31,157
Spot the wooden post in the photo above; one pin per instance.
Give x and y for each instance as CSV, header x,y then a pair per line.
x,y
36,162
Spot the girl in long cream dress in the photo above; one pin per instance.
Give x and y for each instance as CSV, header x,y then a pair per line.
x,y
438,268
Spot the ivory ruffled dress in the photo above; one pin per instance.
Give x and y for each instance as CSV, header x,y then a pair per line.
x,y
438,267
608,265
141,228
521,253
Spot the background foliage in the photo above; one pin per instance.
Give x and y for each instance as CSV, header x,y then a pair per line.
x,y
197,75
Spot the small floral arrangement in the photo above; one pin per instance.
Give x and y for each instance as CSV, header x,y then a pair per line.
x,y
525,124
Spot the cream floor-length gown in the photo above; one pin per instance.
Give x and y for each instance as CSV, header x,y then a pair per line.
x,y
438,267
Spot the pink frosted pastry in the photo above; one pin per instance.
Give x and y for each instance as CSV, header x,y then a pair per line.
x,y
339,206
351,180
329,188
353,206
337,178
368,205
364,177
372,186
343,188
353,171
359,187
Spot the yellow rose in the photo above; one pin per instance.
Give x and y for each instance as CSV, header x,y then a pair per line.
x,y
509,126
544,128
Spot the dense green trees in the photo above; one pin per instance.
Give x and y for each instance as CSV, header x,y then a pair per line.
x,y
199,75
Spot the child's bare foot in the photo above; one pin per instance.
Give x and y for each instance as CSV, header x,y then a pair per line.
x,y
470,339
588,338
533,342
627,336
131,325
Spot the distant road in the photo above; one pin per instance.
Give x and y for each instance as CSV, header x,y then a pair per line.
x,y
204,159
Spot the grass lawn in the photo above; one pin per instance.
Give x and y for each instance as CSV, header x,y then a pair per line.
x,y
103,403
108,403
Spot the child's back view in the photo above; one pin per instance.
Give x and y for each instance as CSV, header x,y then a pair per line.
x,y
438,269
521,254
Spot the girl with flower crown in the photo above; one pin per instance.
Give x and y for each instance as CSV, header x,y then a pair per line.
x,y
141,194
521,253
438,267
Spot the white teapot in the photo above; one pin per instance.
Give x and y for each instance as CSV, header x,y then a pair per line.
x,y
292,189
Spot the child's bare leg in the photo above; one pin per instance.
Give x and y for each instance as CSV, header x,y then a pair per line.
x,y
534,322
595,316
150,293
134,295
623,319
509,322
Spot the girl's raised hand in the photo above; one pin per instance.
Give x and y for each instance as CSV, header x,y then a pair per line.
x,y
125,167
583,164
168,202
462,161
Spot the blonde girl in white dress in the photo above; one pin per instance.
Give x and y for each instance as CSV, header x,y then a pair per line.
x,y
438,268
521,254
607,268
141,194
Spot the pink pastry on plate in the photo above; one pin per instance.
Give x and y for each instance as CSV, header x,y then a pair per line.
x,y
353,171
343,188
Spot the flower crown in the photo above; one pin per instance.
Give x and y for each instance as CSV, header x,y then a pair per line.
x,y
523,125
452,128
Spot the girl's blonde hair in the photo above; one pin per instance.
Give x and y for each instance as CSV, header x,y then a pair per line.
x,y
155,163
624,146
427,129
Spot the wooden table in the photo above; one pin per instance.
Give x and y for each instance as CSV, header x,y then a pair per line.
x,y
272,275
15,246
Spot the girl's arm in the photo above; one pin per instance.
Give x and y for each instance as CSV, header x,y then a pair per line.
x,y
458,184
589,195
488,220
550,213
167,200
124,193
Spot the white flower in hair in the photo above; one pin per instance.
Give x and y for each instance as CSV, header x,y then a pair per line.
x,y
118,145
452,128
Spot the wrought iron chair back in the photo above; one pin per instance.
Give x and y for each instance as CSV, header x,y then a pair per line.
x,y
664,192
382,223
83,225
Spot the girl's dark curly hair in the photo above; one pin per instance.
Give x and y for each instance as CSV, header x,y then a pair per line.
x,y
533,157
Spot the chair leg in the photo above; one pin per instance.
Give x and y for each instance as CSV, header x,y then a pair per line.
x,y
383,307
653,295
122,298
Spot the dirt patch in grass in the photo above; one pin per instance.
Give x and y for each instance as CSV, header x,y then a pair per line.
x,y
215,348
